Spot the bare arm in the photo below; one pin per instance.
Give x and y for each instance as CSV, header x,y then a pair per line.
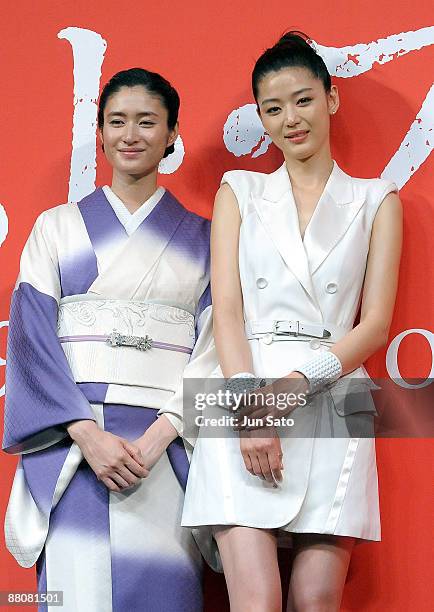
x,y
262,456
379,291
228,320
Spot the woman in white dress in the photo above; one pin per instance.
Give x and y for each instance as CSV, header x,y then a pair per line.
x,y
295,254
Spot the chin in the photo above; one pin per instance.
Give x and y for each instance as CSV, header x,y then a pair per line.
x,y
301,154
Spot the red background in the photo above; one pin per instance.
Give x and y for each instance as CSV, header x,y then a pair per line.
x,y
207,50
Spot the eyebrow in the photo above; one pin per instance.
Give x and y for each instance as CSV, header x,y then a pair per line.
x,y
295,93
121,114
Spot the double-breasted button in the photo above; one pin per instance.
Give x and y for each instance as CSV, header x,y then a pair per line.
x,y
331,287
261,283
315,344
267,339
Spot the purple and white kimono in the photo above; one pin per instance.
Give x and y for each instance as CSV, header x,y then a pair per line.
x,y
90,285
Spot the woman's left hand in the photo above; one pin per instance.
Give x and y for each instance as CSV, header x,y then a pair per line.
x,y
155,440
277,400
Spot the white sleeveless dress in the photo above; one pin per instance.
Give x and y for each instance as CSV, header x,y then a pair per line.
x,y
330,478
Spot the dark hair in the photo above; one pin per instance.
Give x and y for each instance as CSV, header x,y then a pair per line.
x,y
154,83
291,50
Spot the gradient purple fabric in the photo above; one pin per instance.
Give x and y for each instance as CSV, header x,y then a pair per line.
x,y
138,584
204,302
187,232
41,394
155,585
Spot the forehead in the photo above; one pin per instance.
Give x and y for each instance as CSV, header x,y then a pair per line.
x,y
135,99
287,81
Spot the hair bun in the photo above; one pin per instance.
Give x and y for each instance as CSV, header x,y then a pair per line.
x,y
293,38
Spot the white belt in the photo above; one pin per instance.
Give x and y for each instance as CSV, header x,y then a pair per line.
x,y
278,330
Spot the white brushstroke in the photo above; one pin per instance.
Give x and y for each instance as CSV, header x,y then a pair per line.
x,y
3,361
243,131
88,50
416,146
356,59
4,227
171,163
4,224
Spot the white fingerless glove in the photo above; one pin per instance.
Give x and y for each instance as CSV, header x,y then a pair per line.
x,y
321,371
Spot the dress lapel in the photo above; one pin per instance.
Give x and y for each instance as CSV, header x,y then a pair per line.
x,y
278,213
144,247
333,215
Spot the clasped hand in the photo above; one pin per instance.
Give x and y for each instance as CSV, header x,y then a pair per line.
x,y
117,462
277,400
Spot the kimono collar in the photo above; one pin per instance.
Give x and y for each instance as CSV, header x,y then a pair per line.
x,y
131,221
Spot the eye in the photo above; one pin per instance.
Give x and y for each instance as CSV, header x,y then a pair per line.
x,y
272,110
147,123
304,101
116,122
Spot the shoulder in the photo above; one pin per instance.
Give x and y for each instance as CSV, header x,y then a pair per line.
x,y
245,181
191,221
61,215
201,224
245,185
372,189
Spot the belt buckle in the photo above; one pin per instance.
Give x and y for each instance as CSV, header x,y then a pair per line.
x,y
141,343
275,328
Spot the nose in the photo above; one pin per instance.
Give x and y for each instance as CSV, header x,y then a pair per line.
x,y
291,115
130,133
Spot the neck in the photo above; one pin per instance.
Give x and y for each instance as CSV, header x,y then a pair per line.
x,y
312,172
132,190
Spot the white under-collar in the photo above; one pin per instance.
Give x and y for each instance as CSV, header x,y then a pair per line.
x,y
131,221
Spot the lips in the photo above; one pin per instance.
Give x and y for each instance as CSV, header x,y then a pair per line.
x,y
297,136
131,150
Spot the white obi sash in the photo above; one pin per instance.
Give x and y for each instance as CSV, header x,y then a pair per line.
x,y
124,342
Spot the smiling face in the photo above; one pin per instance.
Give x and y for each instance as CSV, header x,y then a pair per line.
x,y
135,133
295,111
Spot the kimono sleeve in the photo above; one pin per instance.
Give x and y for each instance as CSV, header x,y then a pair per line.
x,y
41,394
202,363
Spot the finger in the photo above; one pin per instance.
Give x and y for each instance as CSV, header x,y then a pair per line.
x,y
112,486
256,466
119,480
275,463
134,452
135,469
248,462
127,475
265,467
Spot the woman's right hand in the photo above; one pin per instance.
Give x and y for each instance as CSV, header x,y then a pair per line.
x,y
117,463
262,453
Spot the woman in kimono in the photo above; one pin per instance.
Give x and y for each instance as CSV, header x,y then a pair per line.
x,y
294,253
109,310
